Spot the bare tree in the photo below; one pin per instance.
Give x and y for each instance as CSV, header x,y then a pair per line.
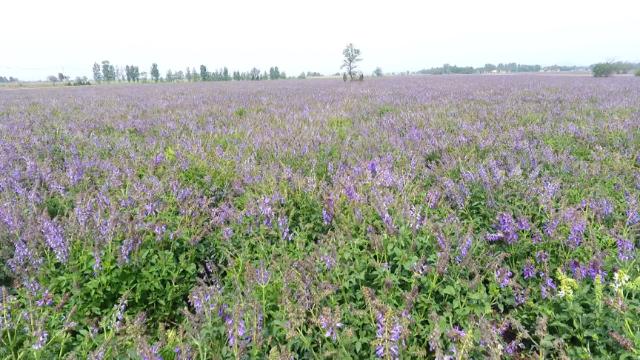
x,y
351,57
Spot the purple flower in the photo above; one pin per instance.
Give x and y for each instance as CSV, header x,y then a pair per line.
x,y
125,250
523,224
529,270
46,299
8,219
595,269
388,335
507,229
262,275
464,249
54,238
236,329
283,225
433,196
456,333
576,233
579,271
542,256
503,276
227,233
23,257
41,339
330,323
520,297
329,261
373,168
550,227
547,286
120,309
626,249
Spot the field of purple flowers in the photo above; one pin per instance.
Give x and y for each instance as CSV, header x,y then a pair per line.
x,y
418,217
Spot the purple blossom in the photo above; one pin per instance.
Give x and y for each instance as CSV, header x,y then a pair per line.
x,y
330,324
46,299
542,257
236,329
595,269
432,199
626,249
547,286
262,275
507,229
520,297
523,224
464,249
388,334
54,238
503,276
576,232
41,337
529,270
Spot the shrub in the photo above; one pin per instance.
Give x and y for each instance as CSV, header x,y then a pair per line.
x,y
603,70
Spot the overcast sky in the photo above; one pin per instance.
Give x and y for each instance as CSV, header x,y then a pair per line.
x,y
43,37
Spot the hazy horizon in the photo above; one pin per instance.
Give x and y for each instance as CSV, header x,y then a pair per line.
x,y
42,38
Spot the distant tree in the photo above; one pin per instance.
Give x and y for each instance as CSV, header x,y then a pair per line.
x,y
136,73
119,75
637,73
225,74
302,75
377,72
283,75
188,75
254,74
61,77
53,79
344,77
155,73
204,75
274,73
351,58
108,71
127,71
79,81
236,76
603,69
97,74
169,77
489,68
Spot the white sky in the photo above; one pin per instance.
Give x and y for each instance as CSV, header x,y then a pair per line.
x,y
43,37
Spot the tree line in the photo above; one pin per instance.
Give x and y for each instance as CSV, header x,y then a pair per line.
x,y
607,69
487,68
107,72
10,79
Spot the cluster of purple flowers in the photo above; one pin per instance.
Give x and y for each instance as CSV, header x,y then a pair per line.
x,y
507,229
54,238
389,335
503,276
329,321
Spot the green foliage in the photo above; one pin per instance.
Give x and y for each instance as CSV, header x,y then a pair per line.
x,y
603,70
155,72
